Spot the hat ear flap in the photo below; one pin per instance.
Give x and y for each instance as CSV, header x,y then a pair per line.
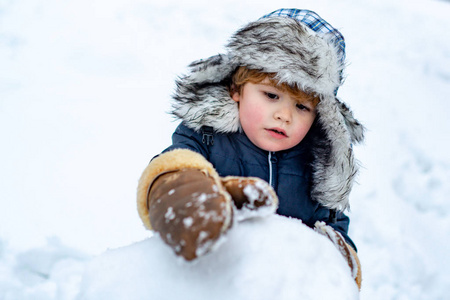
x,y
334,166
210,70
355,128
202,97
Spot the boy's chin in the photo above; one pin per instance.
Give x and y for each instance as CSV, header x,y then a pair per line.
x,y
271,145
274,148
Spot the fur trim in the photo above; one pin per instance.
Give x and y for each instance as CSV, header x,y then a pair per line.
x,y
205,105
292,50
355,128
334,166
169,161
299,56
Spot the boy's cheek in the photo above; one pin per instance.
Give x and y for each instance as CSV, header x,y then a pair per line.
x,y
252,117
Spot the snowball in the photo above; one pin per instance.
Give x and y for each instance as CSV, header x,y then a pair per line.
x,y
271,258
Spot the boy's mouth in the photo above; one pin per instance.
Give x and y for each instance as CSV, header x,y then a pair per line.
x,y
277,132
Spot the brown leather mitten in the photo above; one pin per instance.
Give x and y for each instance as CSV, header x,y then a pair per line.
x,y
346,250
188,211
252,196
181,197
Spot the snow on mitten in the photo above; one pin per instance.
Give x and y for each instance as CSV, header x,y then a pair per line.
x,y
186,203
252,196
347,251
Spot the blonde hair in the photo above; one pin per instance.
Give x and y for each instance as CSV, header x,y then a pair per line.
x,y
244,75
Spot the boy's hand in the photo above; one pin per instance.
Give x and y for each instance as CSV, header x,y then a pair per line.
x,y
347,251
253,197
189,210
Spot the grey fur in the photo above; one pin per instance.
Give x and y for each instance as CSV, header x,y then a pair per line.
x,y
299,57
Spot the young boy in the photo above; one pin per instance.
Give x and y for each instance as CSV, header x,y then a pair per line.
x,y
262,130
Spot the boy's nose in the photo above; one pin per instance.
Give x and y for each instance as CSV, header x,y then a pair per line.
x,y
283,114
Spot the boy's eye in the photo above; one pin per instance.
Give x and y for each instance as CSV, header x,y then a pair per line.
x,y
271,95
302,107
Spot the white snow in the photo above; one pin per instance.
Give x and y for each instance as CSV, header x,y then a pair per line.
x,y
203,197
253,192
252,263
338,241
169,215
188,222
84,91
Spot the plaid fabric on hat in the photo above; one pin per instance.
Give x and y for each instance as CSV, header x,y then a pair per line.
x,y
313,21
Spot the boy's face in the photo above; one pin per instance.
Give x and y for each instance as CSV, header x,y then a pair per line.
x,y
273,120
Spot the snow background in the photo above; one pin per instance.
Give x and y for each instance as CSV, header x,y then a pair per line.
x,y
84,90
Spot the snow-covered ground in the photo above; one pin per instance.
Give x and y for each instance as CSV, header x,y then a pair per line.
x,y
84,90
253,262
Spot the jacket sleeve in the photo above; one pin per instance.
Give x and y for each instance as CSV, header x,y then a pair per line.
x,y
173,158
186,138
340,225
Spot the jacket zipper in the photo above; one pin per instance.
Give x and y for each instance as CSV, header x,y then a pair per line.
x,y
269,158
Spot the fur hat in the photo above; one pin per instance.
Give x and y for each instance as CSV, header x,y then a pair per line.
x,y
304,51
